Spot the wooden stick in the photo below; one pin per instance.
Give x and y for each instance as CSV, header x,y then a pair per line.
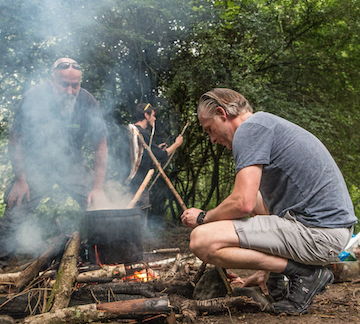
x,y
141,189
156,162
171,156
77,314
137,307
67,273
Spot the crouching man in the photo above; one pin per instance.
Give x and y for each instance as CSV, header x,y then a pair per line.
x,y
286,179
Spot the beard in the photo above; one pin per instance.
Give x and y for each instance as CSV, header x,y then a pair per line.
x,y
65,103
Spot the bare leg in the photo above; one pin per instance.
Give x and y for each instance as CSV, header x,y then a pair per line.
x,y
217,243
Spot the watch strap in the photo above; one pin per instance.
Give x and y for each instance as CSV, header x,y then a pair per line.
x,y
200,219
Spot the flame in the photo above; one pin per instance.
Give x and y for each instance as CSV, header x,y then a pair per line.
x,y
97,256
143,275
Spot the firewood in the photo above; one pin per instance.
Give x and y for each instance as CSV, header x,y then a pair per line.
x,y
33,269
61,292
94,279
77,314
9,277
130,288
137,307
110,271
218,305
174,268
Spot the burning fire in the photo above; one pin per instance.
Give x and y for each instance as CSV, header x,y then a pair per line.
x,y
143,275
97,256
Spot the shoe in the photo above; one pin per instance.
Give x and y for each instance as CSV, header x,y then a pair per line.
x,y
303,290
277,286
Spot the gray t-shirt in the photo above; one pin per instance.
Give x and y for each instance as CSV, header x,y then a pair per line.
x,y
299,174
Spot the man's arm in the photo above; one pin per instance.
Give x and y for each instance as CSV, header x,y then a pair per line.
x,y
260,207
20,187
100,165
240,203
178,141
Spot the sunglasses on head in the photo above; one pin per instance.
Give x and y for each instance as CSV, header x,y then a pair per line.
x,y
66,65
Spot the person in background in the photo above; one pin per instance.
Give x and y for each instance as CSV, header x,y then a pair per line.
x,y
286,179
143,118
45,148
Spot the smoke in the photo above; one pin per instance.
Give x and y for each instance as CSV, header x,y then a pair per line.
x,y
34,34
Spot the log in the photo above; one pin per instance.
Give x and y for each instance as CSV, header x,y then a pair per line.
x,y
130,288
32,271
10,277
77,314
244,303
136,307
93,279
61,292
110,271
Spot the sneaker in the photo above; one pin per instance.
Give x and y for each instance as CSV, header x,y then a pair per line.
x,y
303,291
277,286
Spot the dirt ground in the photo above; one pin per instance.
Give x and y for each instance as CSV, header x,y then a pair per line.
x,y
339,303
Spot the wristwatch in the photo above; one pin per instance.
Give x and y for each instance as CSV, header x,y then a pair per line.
x,y
200,219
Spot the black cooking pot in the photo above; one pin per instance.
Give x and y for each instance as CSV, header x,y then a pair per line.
x,y
114,235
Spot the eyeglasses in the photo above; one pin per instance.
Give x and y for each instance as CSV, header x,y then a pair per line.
x,y
66,65
147,106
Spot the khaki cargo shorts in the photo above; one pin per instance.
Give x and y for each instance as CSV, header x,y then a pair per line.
x,y
288,238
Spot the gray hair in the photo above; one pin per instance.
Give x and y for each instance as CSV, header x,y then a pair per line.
x,y
231,101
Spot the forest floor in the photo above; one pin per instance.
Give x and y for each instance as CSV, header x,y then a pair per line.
x,y
339,303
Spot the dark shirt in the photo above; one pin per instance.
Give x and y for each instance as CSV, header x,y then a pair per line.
x,y
146,161
51,142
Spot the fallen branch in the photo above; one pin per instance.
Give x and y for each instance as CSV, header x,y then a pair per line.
x,y
61,292
10,277
109,271
32,271
136,307
77,314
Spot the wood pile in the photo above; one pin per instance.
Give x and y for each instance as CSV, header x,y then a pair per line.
x,y
163,290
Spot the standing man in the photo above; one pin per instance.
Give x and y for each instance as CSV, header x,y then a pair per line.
x,y
143,118
286,177
45,148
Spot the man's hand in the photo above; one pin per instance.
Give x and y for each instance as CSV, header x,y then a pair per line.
x,y
189,217
96,197
17,193
162,146
179,140
258,279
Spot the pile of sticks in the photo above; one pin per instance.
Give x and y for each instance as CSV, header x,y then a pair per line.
x,y
76,294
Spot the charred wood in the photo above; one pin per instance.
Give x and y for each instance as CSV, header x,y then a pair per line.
x,y
94,279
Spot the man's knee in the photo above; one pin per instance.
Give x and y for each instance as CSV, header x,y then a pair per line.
x,y
199,243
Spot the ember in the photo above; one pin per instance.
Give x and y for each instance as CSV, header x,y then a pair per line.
x,y
143,275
